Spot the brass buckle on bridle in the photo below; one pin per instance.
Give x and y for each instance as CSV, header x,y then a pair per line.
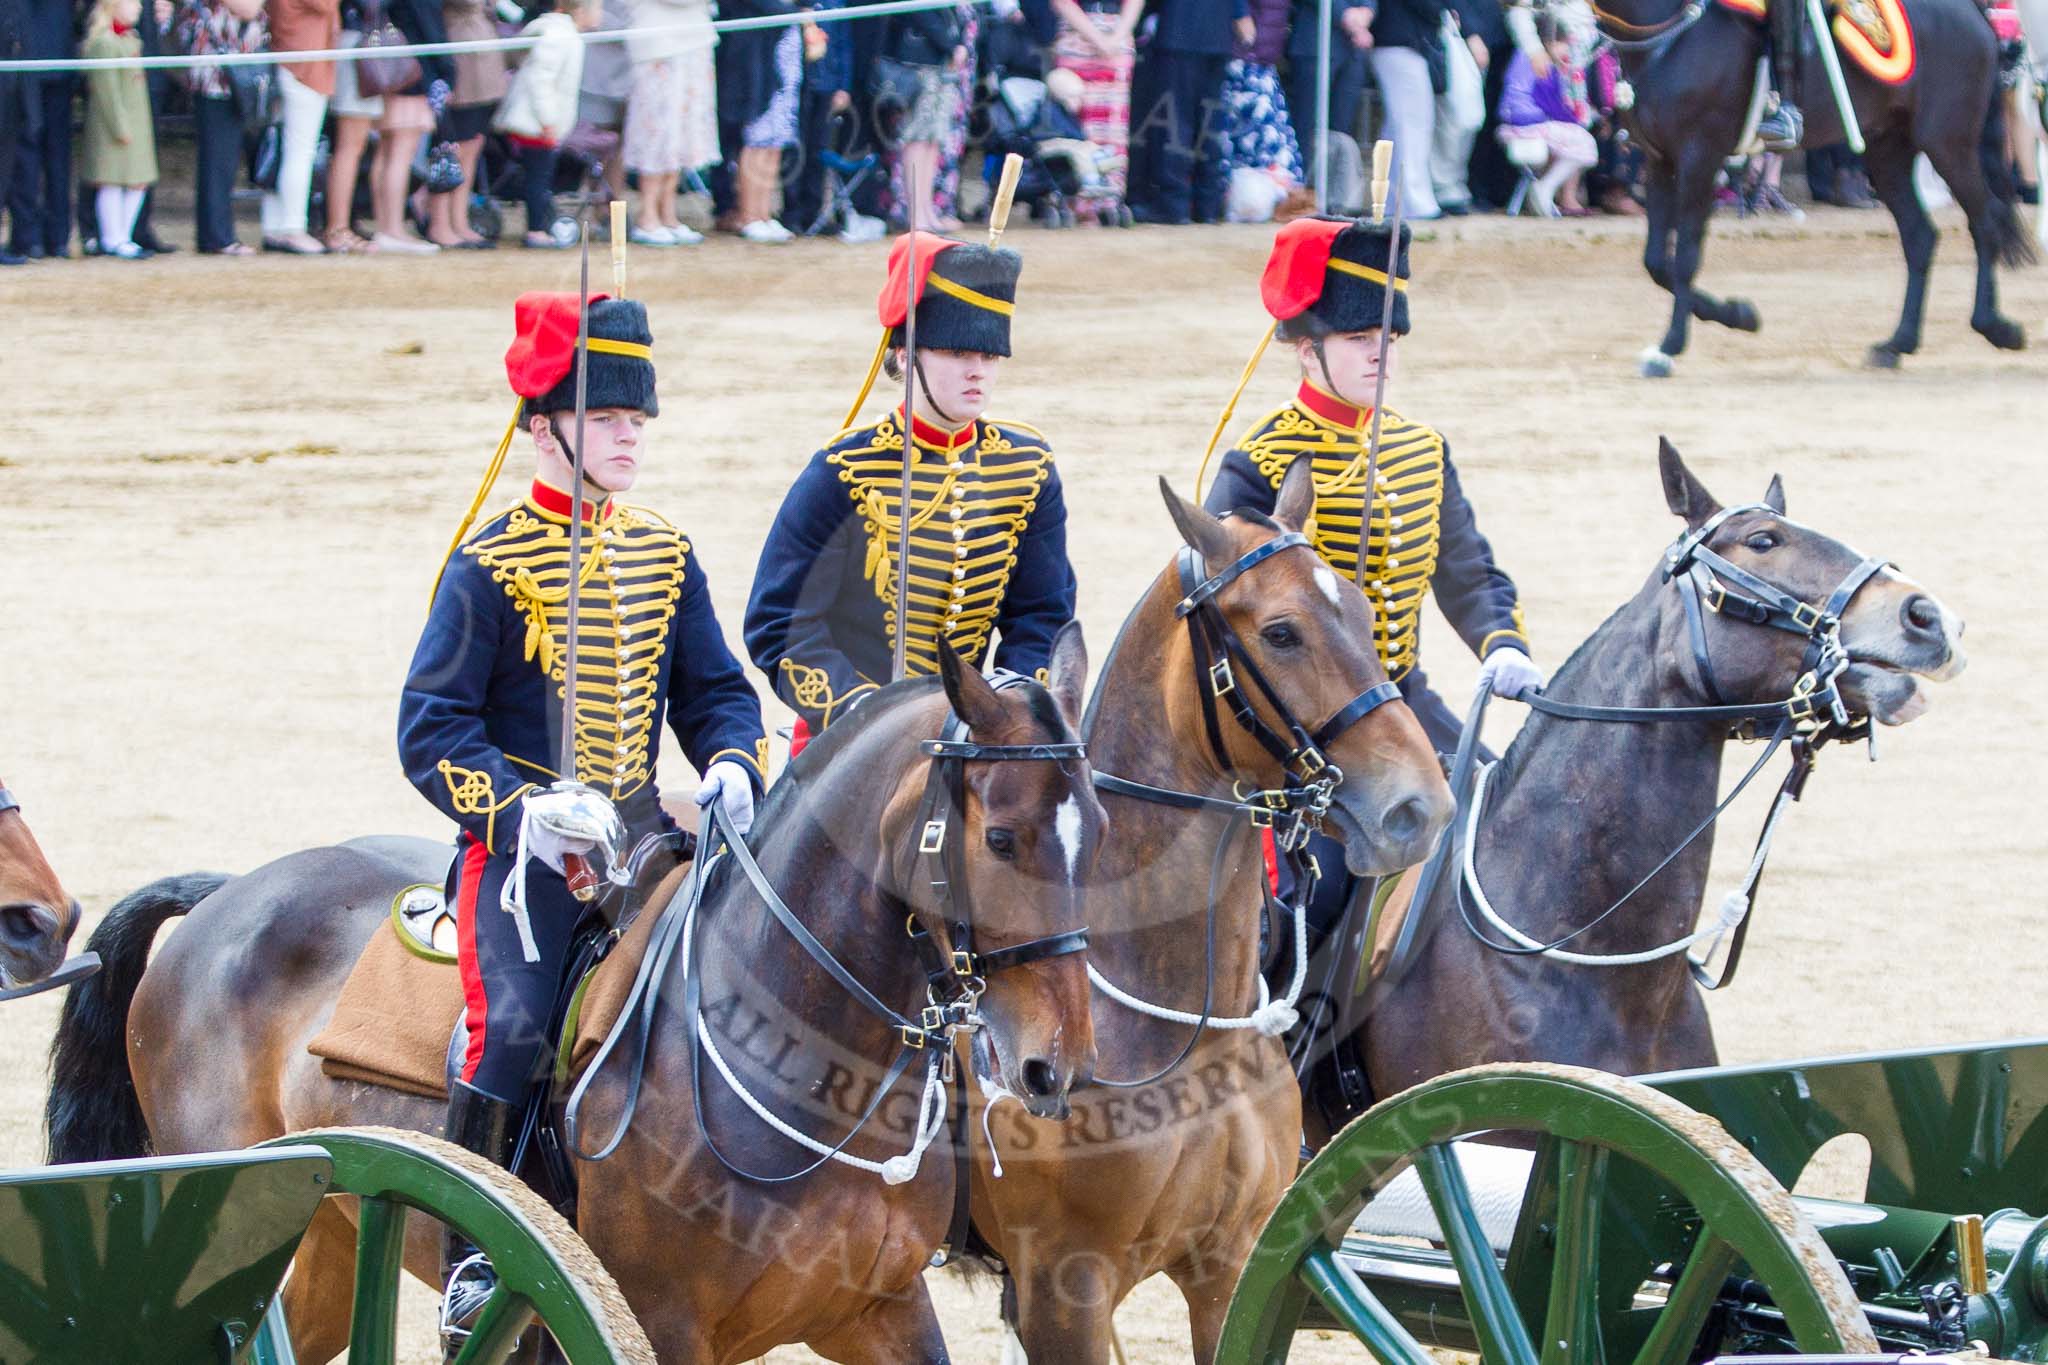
x,y
1808,617
1221,680
1714,594
963,962
934,837
1308,764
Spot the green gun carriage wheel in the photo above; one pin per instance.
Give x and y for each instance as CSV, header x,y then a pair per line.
x,y
546,1274
1625,1185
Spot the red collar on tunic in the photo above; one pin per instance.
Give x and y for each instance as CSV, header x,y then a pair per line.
x,y
555,503
1319,403
938,438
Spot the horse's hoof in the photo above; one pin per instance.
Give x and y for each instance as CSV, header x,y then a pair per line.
x,y
1742,316
2004,333
1882,358
1655,364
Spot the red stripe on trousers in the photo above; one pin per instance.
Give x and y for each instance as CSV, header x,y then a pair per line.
x,y
799,736
475,1005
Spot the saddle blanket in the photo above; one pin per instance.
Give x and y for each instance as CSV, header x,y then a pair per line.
x,y
1875,33
397,1012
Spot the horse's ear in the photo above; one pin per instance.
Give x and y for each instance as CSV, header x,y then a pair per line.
x,y
1774,496
1066,676
1685,495
1199,527
973,700
1296,505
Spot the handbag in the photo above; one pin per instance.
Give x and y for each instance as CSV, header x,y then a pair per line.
x,y
1465,85
383,75
250,88
895,83
266,154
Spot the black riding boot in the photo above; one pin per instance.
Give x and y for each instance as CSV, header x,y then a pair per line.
x,y
1783,128
489,1127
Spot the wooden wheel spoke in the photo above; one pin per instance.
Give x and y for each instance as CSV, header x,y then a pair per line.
x,y
1692,1299
505,1315
1571,1332
1347,1298
380,1259
1503,1339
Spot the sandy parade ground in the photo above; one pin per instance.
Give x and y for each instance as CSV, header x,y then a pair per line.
x,y
227,484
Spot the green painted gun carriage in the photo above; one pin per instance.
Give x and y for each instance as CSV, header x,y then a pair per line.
x,y
179,1260
1545,1215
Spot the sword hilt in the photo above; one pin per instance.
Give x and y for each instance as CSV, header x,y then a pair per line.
x,y
1382,167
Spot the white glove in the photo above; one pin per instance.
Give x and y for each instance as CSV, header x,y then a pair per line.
x,y
564,819
1509,672
729,784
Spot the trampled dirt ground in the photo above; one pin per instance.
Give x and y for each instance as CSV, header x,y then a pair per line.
x,y
227,485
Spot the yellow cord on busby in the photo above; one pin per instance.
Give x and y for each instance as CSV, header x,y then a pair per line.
x,y
867,385
1251,367
491,472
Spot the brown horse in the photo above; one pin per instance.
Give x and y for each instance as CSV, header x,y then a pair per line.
x,y
37,916
716,1266
1579,812
1178,1174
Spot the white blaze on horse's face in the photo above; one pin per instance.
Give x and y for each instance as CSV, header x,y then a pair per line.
x,y
1066,829
1327,581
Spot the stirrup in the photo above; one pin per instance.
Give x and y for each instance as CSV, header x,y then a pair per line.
x,y
470,1286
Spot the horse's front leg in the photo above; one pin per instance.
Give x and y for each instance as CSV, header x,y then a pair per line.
x,y
1889,163
902,1329
1692,200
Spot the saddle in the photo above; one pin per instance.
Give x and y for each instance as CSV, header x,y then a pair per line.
x,y
1876,34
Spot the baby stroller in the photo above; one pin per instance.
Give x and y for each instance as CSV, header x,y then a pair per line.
x,y
500,182
1063,171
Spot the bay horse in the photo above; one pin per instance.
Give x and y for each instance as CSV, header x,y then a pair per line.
x,y
37,916
1177,1174
717,1266
1693,64
1578,812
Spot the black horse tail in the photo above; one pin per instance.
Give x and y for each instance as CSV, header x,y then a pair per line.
x,y
93,1112
2008,233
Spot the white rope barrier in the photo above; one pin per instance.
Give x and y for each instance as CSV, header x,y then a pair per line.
x,y
171,61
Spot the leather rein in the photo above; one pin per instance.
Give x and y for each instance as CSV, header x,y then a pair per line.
x,y
1293,810
956,973
1813,715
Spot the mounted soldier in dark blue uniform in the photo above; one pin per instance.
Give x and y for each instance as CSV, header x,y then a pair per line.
x,y
480,722
1325,286
988,523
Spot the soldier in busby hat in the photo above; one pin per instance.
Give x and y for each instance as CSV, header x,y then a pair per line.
x,y
480,721
1325,286
988,523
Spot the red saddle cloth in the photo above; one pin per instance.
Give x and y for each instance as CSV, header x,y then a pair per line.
x,y
1876,34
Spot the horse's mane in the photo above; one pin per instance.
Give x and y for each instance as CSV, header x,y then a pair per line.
x,y
1517,756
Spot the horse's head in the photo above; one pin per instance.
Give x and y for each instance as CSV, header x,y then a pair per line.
x,y
1893,631
1022,830
1308,631
37,917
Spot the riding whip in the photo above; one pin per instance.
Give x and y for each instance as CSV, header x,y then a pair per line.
x,y
1382,168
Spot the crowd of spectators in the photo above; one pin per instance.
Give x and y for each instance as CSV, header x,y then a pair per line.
x,y
1165,111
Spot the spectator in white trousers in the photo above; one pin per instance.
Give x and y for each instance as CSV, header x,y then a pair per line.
x,y
1460,108
1403,32
303,90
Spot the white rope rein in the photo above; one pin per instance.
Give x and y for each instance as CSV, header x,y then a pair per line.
x,y
896,1170
1734,906
1272,1017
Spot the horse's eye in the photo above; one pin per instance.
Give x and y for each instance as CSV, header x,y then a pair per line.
x,y
1002,843
1760,541
1280,636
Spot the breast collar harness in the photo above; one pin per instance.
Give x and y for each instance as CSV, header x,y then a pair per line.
x,y
955,973
1293,810
1814,714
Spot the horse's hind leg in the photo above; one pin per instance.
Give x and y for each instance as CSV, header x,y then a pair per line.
x,y
1691,200
901,1330
1994,227
1889,162
319,1294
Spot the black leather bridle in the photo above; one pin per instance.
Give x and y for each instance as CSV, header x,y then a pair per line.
x,y
1293,810
955,973
1812,715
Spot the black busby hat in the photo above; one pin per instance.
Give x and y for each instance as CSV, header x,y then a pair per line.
x,y
1332,274
966,293
542,361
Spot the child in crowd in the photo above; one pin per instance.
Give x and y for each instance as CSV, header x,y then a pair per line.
x,y
1548,108
120,139
540,109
